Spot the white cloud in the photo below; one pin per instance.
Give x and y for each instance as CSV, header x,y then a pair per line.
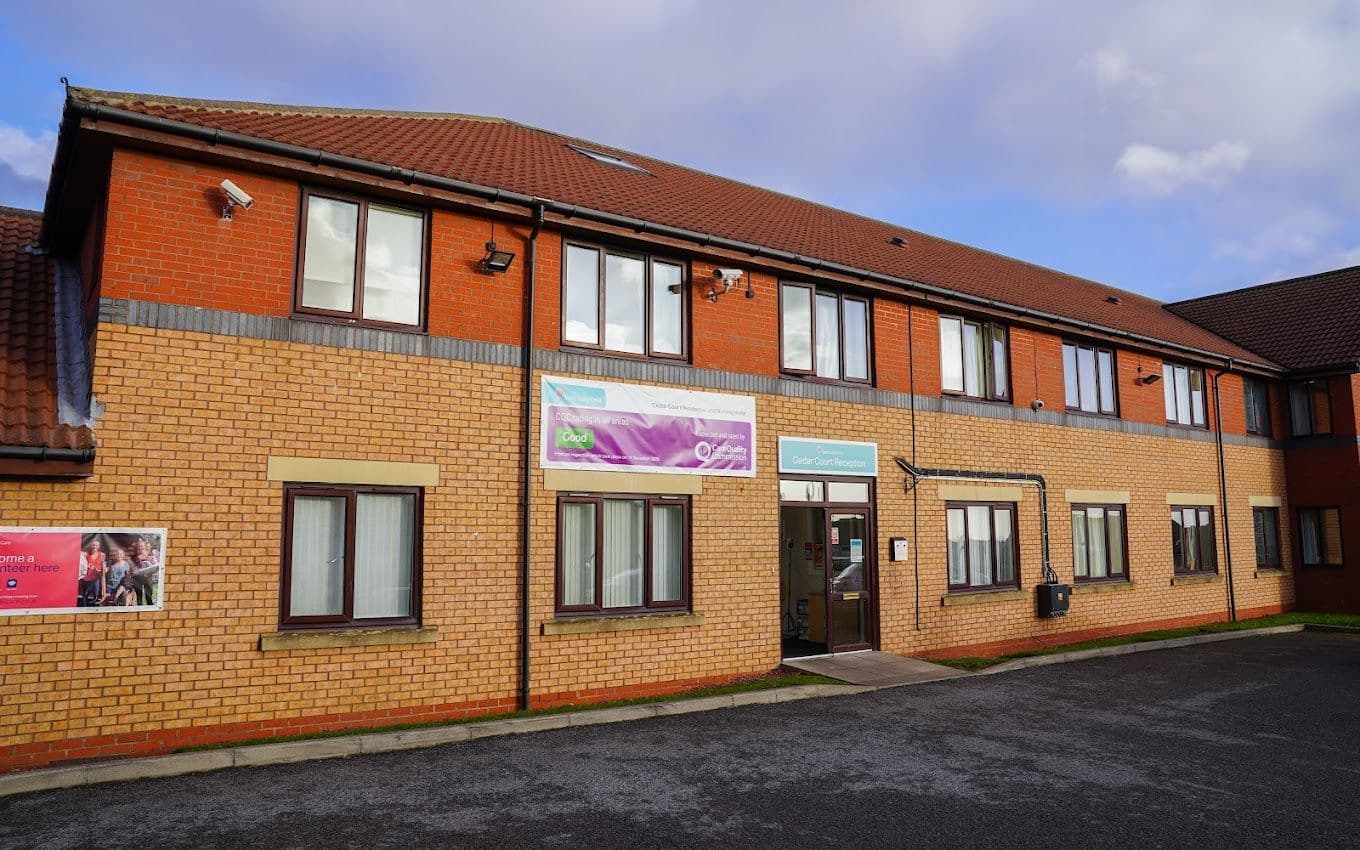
x,y
1113,68
1158,171
30,157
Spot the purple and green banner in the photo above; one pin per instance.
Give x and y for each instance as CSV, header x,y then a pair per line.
x,y
632,428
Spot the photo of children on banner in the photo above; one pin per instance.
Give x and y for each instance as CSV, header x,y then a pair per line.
x,y
119,570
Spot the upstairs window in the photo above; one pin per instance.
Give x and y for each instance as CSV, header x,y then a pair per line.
x,y
1089,376
624,303
1256,397
1310,408
362,261
823,334
1184,391
1320,536
1192,540
1266,527
974,358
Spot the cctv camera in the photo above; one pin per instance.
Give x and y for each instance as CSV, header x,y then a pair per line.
x,y
728,276
236,196
1037,404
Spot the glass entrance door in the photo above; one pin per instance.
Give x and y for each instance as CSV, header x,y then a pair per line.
x,y
849,592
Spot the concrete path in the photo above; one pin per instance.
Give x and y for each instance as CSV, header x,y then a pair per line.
x,y
875,669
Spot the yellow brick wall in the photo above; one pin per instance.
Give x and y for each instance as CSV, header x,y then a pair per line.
x,y
191,420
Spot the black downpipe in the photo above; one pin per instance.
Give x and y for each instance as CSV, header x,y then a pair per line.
x,y
1223,493
527,472
42,453
915,499
916,473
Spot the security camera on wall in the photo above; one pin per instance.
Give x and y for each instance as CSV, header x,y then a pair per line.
x,y
727,276
236,197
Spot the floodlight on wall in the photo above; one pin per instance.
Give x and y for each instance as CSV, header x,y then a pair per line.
x,y
1148,379
496,260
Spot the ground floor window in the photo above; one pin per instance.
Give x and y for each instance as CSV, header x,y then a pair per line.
x,y
1192,540
622,553
352,556
1320,536
1098,542
982,550
1266,526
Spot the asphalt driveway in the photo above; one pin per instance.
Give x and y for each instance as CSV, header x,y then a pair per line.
x,y
1246,743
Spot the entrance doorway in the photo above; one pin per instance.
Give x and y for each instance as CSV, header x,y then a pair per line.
x,y
827,566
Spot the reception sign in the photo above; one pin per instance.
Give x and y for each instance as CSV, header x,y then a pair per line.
x,y
827,457
77,570
631,428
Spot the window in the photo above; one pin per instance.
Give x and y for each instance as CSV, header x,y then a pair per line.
x,y
608,159
1320,537
622,553
1256,396
362,261
1184,389
1266,524
352,556
1089,375
823,334
1098,537
974,358
982,549
1310,408
1192,540
624,303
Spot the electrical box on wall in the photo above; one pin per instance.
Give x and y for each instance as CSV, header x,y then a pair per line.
x,y
897,548
1053,599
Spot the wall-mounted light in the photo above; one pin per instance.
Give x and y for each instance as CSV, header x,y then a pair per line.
x,y
1148,379
496,260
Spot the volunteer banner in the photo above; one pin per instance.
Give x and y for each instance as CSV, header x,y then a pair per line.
x,y
631,428
75,570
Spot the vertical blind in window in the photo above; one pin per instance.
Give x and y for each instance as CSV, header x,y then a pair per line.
x,y
622,553
384,537
1310,408
668,552
823,334
981,545
1266,526
1320,537
1256,399
317,585
1192,540
1098,542
578,554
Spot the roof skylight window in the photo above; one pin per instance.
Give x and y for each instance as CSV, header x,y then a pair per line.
x,y
608,159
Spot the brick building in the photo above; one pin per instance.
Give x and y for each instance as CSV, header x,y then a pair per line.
x,y
747,426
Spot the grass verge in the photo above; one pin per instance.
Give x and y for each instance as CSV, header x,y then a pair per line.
x,y
761,683
1291,618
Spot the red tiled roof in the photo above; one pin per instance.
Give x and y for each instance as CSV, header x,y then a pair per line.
x,y
28,350
1302,323
514,157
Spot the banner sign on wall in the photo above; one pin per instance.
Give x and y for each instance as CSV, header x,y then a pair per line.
x,y
827,457
76,570
631,428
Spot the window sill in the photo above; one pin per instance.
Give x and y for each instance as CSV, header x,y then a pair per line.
x,y
826,382
1269,572
1196,578
334,638
616,623
1107,586
674,360
979,597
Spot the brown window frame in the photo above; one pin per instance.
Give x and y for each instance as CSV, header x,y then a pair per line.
x,y
346,618
992,507
1312,388
1263,563
841,297
1178,563
1170,386
649,606
648,260
1110,575
1256,406
1319,511
355,316
1096,351
990,390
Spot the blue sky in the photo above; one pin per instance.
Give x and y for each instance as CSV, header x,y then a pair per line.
x,y
1171,148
